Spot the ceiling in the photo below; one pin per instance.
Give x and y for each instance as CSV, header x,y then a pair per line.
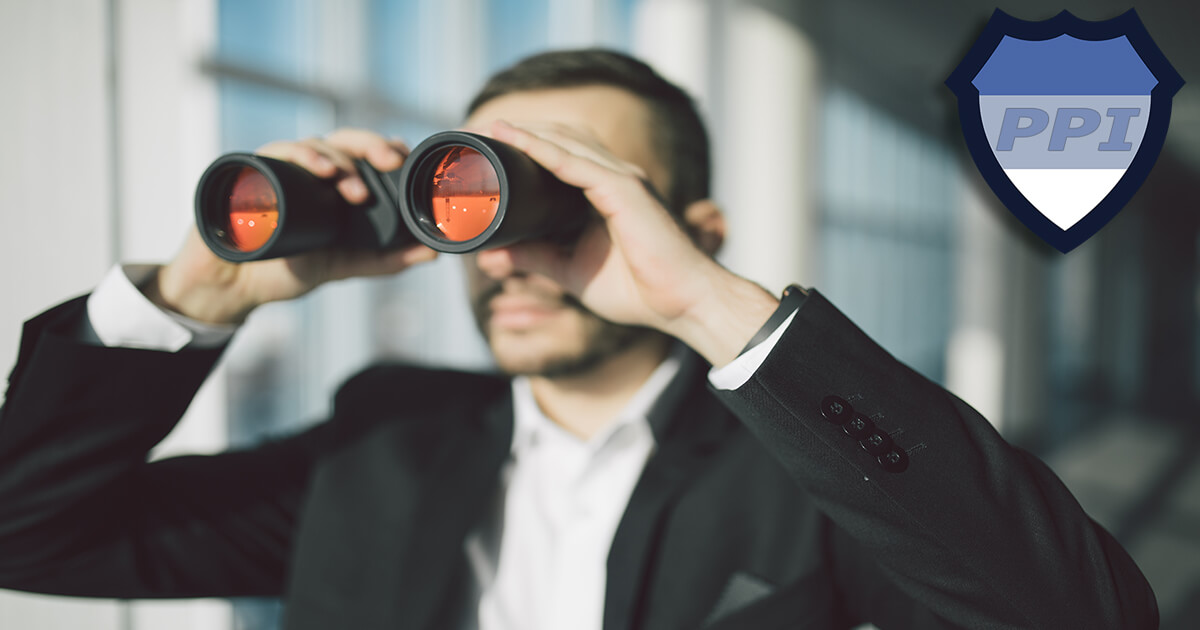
x,y
898,54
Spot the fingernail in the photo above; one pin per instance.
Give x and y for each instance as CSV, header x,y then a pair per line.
x,y
324,164
354,188
387,158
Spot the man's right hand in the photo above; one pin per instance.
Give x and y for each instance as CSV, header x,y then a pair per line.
x,y
204,287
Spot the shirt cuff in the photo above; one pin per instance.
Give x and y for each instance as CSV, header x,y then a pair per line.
x,y
122,316
735,373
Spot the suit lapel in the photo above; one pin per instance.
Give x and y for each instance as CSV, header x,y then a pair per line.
x,y
416,562
460,484
380,544
688,424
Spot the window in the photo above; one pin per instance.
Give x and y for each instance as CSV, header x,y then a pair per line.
x,y
887,220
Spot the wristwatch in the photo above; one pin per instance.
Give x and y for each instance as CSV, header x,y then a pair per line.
x,y
793,297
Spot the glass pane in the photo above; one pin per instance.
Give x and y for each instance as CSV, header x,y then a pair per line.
x,y
886,224
253,115
274,36
516,29
394,57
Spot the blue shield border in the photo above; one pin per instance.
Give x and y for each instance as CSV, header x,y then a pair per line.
x,y
1169,82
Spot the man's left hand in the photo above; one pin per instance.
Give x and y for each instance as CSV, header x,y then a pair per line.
x,y
636,265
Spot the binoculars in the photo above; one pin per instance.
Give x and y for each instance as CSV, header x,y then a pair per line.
x,y
457,192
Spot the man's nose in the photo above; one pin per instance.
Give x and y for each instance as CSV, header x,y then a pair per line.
x,y
497,263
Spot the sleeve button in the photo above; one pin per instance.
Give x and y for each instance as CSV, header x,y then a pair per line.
x,y
894,461
859,427
836,410
877,443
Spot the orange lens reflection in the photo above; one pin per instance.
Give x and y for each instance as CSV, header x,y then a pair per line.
x,y
465,194
253,211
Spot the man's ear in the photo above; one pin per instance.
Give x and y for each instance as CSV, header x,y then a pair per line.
x,y
705,223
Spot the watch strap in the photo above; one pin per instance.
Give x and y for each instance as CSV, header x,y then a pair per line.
x,y
793,297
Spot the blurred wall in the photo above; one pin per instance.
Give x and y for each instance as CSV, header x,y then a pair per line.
x,y
56,172
56,196
108,125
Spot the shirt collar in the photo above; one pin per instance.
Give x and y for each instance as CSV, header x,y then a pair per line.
x,y
529,421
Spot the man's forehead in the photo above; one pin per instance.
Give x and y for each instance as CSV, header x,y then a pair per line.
x,y
603,110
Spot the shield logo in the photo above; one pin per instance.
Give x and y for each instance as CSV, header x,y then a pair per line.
x,y
1065,117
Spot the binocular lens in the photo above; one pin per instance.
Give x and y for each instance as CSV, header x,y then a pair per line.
x,y
465,193
252,213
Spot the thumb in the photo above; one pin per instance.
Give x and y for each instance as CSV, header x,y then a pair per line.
x,y
540,257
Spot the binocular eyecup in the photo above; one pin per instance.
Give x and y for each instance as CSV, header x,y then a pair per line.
x,y
457,192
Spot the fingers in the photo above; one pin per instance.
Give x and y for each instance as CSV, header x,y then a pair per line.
x,y
302,154
352,264
576,161
580,143
332,157
381,153
554,157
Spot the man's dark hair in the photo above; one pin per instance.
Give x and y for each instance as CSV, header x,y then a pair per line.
x,y
679,139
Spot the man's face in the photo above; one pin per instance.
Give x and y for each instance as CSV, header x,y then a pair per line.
x,y
531,324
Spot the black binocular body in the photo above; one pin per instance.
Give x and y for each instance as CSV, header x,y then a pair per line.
x,y
457,192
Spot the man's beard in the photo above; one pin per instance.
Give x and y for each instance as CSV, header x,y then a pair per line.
x,y
598,341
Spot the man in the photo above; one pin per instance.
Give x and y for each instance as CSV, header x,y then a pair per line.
x,y
808,480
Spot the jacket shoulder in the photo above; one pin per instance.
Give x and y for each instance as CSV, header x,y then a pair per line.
x,y
414,390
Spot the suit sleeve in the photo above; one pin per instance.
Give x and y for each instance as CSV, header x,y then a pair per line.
x,y
946,512
82,512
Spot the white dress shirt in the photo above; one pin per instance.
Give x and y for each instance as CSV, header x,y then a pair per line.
x,y
540,557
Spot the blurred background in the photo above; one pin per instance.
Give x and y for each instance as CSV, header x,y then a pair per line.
x,y
838,158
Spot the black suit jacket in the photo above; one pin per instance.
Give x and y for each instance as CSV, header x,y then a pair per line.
x,y
754,512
